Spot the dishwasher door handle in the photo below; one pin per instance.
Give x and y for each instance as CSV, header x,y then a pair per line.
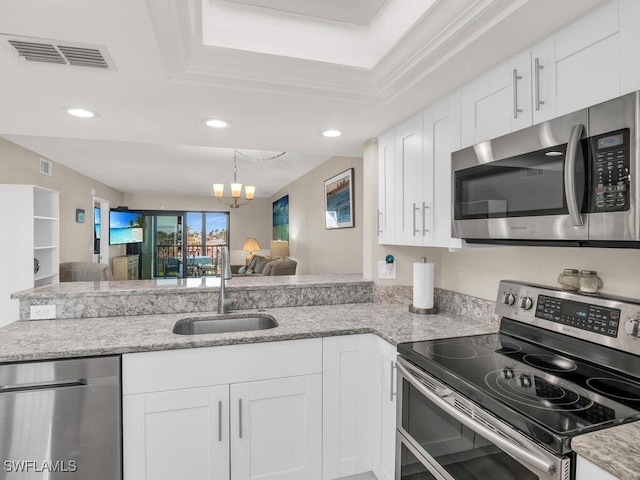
x,y
26,387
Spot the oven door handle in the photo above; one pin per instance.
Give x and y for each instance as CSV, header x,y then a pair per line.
x,y
573,150
409,372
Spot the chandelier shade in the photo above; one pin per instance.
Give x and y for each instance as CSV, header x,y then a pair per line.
x,y
236,190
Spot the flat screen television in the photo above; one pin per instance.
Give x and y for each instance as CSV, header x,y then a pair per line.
x,y
125,227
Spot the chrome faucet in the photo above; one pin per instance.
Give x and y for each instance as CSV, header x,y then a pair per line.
x,y
225,274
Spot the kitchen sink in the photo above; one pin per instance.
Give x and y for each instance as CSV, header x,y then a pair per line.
x,y
224,324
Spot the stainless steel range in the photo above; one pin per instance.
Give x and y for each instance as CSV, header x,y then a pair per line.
x,y
506,405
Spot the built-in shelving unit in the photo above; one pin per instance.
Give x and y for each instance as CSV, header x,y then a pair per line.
x,y
31,230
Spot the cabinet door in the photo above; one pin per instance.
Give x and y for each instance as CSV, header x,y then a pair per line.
x,y
629,15
441,137
588,63
384,448
276,429
409,168
177,434
499,102
386,188
347,405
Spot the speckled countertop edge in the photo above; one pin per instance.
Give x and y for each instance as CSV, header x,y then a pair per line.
x,y
613,449
186,285
47,339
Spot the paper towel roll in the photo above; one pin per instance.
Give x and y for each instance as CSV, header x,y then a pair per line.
x,y
423,285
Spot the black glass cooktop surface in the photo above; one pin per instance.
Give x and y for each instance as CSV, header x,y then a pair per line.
x,y
543,393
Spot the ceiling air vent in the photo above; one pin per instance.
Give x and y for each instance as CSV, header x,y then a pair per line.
x,y
49,51
46,167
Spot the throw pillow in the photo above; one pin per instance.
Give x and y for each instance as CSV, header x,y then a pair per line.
x,y
261,263
242,269
254,260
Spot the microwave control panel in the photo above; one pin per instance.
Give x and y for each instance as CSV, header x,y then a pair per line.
x,y
610,173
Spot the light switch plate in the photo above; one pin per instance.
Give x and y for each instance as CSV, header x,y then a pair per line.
x,y
42,312
386,270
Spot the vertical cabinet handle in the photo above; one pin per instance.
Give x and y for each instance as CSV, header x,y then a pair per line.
x,y
415,230
424,222
536,68
379,222
392,393
219,421
516,77
240,418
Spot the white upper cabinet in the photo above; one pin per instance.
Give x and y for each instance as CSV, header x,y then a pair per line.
x,y
386,188
629,16
587,65
410,203
441,136
498,102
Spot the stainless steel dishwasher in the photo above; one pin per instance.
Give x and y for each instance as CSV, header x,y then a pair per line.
x,y
61,420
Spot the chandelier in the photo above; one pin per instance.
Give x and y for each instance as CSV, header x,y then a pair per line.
x,y
236,190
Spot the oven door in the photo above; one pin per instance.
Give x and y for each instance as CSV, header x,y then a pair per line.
x,y
444,436
528,185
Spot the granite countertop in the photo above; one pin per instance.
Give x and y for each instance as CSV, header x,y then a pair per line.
x,y
181,285
613,449
46,339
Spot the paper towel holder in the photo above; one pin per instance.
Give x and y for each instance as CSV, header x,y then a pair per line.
x,y
423,311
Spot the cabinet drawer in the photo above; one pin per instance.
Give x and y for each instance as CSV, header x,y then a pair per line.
x,y
199,367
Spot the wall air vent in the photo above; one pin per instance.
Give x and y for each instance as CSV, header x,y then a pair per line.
x,y
46,167
50,51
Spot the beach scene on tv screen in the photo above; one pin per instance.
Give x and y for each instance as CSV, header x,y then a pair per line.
x,y
125,227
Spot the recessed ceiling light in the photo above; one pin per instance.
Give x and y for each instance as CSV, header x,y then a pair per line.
x,y
80,112
217,123
331,133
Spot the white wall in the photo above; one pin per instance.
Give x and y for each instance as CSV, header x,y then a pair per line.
x,y
22,166
316,249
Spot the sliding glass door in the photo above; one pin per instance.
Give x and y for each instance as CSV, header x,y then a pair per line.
x,y
183,244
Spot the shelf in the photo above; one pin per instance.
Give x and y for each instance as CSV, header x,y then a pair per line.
x,y
43,276
45,247
36,217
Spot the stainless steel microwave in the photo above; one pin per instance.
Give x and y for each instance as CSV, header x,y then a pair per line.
x,y
570,181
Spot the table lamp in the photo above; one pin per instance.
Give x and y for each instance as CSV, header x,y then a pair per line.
x,y
279,248
250,245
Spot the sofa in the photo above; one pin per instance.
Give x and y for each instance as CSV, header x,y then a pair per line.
x,y
84,272
267,266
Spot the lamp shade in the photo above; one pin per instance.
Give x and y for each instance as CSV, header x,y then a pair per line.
x,y
279,248
251,245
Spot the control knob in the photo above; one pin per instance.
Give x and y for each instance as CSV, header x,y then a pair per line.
x,y
509,299
632,327
526,303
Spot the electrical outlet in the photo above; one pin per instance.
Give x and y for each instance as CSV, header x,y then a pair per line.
x,y
386,270
42,312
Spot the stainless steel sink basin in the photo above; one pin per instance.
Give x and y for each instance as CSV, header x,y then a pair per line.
x,y
224,324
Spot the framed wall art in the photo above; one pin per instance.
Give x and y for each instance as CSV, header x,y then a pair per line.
x,y
338,200
281,219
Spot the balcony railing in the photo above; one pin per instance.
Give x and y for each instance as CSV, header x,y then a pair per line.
x,y
199,260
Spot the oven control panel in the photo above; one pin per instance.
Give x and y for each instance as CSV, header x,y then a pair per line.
x,y
602,319
610,160
593,318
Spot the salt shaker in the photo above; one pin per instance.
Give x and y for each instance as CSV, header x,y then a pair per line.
x,y
569,279
590,282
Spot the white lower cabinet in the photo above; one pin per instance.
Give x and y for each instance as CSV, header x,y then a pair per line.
x,y
276,429
289,410
384,411
347,405
585,470
260,416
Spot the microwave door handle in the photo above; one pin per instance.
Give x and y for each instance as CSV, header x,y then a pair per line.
x,y
516,450
573,150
